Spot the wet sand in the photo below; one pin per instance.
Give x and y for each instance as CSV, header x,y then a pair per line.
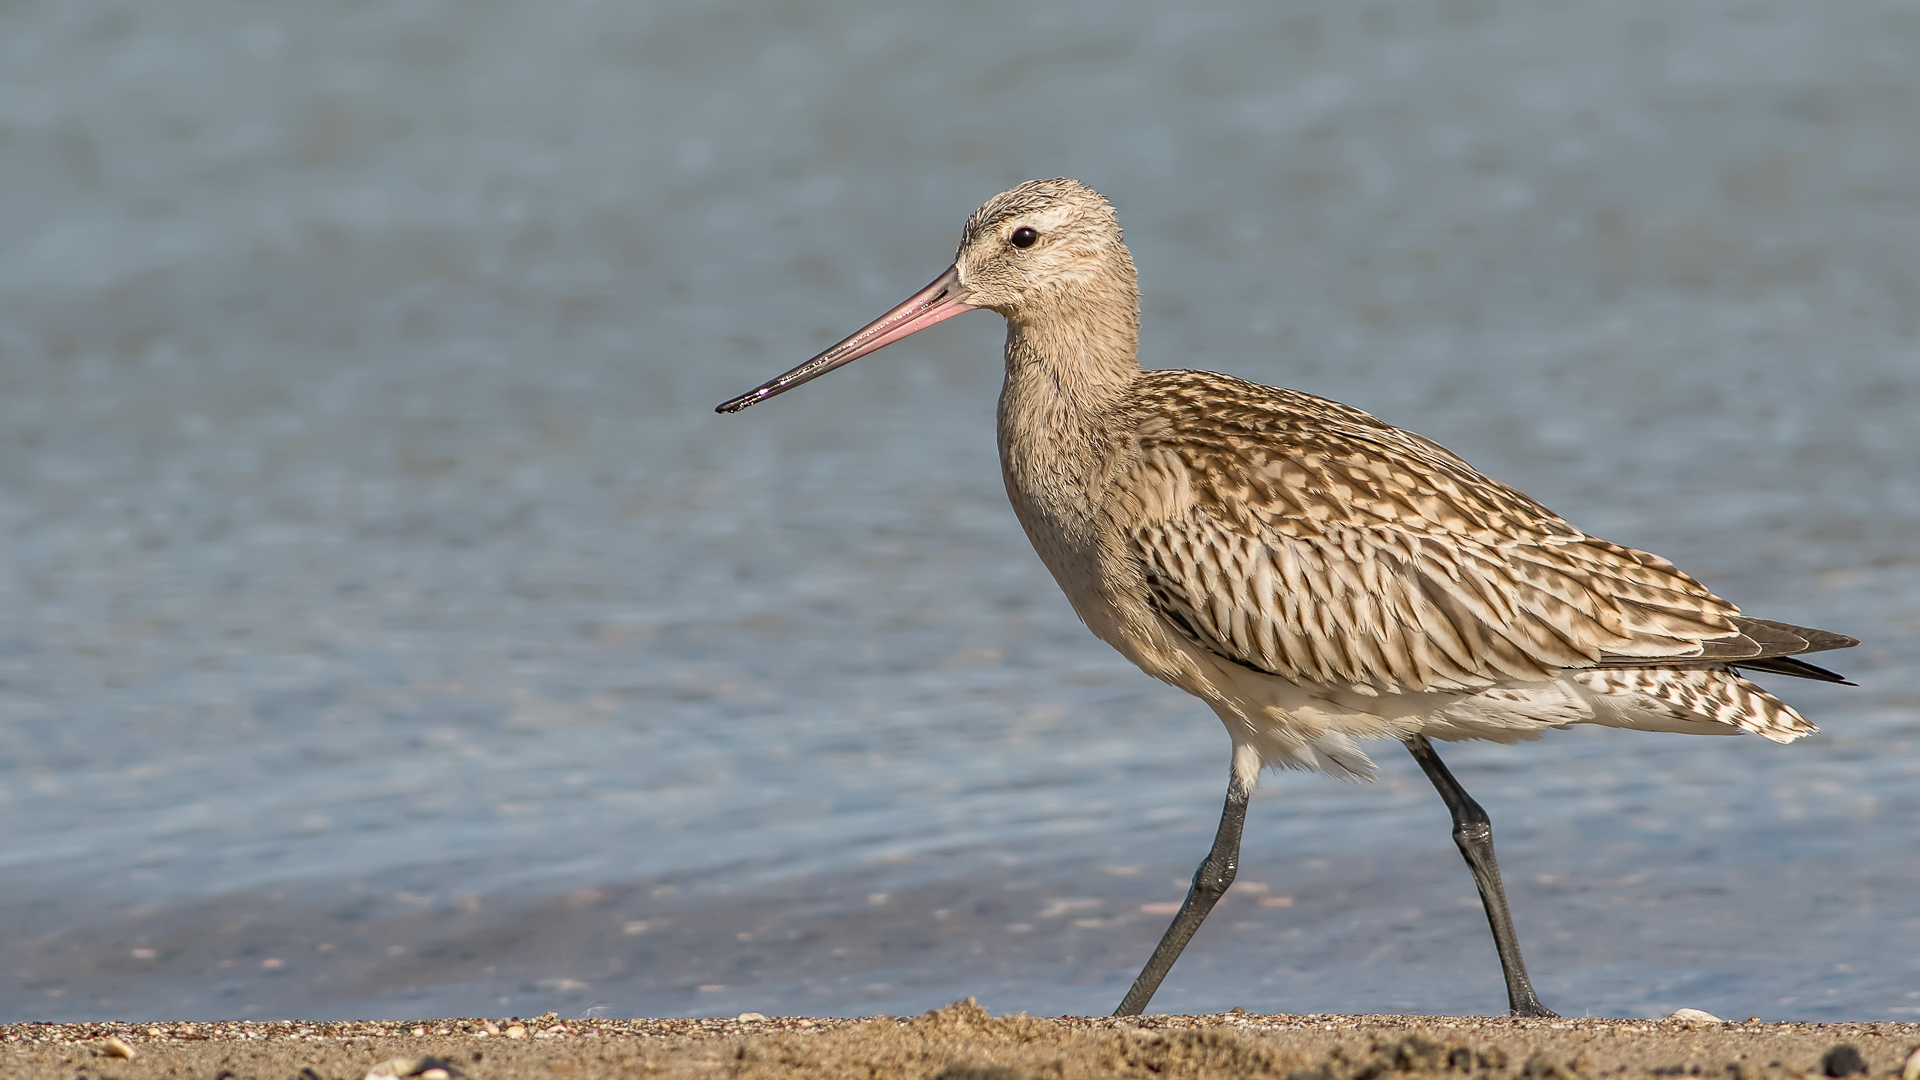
x,y
964,1042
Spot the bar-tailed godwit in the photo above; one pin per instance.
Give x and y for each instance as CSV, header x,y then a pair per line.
x,y
1310,572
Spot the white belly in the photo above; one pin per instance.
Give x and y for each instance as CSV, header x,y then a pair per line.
x,y
1314,728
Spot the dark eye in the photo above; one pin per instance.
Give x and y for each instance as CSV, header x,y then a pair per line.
x,y
1024,237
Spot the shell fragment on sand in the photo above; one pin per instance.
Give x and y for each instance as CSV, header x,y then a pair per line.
x,y
420,1068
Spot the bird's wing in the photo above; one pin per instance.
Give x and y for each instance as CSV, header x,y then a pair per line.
x,y
1308,539
1761,645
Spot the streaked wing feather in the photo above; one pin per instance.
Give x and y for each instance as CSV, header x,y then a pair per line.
x,y
1761,645
1310,540
1812,640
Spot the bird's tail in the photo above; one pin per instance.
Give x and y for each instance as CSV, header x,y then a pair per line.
x,y
1651,697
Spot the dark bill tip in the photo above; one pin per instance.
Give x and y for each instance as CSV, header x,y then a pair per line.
x,y
938,302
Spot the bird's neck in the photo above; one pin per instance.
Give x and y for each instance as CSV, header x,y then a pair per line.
x,y
1076,358
1068,370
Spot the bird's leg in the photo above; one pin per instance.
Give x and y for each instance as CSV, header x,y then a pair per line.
x,y
1209,885
1473,832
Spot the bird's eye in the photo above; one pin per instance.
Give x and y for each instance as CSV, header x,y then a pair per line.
x,y
1024,237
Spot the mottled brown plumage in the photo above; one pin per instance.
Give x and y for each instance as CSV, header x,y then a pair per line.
x,y
1307,540
1313,573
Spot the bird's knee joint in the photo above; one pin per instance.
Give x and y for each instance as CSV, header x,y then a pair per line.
x,y
1213,881
1473,832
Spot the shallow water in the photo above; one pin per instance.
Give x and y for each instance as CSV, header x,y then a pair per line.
x,y
393,630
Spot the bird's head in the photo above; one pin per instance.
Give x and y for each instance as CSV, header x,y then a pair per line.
x,y
1044,244
1047,245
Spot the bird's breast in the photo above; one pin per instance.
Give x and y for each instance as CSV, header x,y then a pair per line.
x,y
1061,499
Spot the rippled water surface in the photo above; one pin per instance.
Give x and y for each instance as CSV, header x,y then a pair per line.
x,y
390,628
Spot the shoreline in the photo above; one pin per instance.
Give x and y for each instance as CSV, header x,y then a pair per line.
x,y
964,1042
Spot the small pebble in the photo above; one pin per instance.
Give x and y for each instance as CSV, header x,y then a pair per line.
x,y
1691,1017
516,1032
117,1047
1912,1069
745,1016
1843,1060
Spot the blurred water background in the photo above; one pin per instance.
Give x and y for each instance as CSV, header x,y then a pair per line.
x,y
391,629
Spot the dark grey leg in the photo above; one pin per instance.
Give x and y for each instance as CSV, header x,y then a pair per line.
x,y
1209,885
1473,832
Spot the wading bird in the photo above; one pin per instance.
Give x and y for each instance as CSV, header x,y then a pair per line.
x,y
1307,570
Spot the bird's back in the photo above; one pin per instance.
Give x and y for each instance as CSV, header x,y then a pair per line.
x,y
1308,542
1313,540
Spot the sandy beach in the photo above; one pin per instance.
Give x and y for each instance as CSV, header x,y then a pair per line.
x,y
965,1042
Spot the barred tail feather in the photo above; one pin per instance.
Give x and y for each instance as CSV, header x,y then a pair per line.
x,y
1699,700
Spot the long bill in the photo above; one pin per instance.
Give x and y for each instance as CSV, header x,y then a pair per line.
x,y
938,302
